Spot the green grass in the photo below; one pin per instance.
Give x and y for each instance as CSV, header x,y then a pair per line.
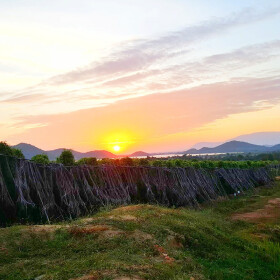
x,y
200,244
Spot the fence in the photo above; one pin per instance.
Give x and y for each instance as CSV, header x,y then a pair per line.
x,y
39,193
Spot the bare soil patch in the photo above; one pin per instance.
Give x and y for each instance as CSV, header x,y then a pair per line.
x,y
88,220
143,236
269,213
123,217
128,208
86,277
128,278
112,233
45,228
175,242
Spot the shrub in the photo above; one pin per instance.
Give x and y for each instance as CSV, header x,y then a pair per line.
x,y
17,153
43,159
170,163
126,161
88,161
107,161
143,162
179,163
158,163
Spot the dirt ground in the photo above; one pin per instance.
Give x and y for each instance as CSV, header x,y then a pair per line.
x,y
269,213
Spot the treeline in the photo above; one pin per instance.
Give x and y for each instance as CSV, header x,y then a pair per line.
x,y
209,162
238,157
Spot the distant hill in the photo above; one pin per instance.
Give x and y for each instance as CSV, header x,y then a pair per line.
x,y
191,151
275,148
99,154
234,147
200,145
260,138
29,151
139,154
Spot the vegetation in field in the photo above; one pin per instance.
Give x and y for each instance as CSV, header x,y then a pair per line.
x,y
209,164
247,156
152,242
89,161
42,159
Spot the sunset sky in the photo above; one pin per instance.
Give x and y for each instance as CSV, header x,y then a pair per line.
x,y
151,75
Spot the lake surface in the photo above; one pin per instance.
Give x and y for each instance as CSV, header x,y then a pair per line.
x,y
179,155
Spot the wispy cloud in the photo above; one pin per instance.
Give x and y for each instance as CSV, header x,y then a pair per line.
x,y
165,71
246,56
217,101
24,98
138,55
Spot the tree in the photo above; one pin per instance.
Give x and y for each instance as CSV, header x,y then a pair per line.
x,y
43,159
66,158
17,153
143,162
5,149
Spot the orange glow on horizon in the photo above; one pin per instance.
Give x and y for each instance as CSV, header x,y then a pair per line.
x,y
118,141
149,132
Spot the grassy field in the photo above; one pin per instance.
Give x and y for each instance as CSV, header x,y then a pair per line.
x,y
230,239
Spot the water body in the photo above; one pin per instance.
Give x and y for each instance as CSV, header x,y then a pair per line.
x,y
179,155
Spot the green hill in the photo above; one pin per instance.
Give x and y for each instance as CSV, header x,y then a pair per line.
x,y
230,239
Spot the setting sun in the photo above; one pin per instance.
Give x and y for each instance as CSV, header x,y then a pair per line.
x,y
116,148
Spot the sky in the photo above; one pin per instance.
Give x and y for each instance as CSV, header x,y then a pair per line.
x,y
157,75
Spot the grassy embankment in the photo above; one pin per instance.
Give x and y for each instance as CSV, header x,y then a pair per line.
x,y
152,242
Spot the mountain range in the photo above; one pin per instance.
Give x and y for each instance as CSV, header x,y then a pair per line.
x,y
268,138
234,147
255,142
260,138
29,151
229,147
